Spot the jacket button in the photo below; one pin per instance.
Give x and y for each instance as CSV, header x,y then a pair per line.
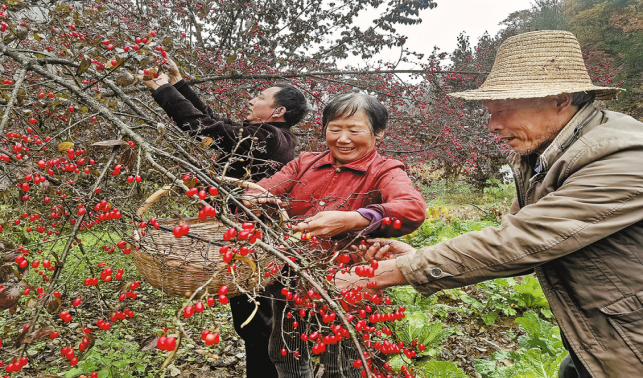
x,y
338,170
436,272
322,203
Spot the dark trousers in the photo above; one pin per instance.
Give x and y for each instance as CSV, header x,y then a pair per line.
x,y
571,367
255,334
337,360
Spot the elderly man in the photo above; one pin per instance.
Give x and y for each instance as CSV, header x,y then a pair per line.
x,y
578,216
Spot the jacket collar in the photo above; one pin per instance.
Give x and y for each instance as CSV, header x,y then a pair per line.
x,y
576,126
361,165
279,125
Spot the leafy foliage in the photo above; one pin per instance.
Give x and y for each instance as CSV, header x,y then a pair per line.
x,y
441,369
541,354
418,326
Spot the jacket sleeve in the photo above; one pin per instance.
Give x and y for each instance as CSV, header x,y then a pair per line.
x,y
186,90
583,210
400,200
282,182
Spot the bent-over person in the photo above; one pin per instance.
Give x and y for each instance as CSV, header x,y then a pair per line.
x,y
578,216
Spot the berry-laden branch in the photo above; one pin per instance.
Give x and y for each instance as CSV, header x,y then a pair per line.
x,y
14,95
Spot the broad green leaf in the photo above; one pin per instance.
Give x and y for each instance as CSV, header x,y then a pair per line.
x,y
442,369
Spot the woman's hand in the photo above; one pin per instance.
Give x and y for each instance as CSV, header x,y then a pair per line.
x,y
154,83
254,201
382,249
330,223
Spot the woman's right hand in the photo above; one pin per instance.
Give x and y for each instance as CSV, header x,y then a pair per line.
x,y
254,201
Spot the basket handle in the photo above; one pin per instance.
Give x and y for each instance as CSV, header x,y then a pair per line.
x,y
166,189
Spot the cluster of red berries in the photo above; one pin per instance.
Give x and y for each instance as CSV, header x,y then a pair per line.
x,y
210,338
16,365
106,273
102,324
364,271
189,311
166,343
121,315
69,354
396,222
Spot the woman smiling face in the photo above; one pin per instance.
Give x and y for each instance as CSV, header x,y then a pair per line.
x,y
350,138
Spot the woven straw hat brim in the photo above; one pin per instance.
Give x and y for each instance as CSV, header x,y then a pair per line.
x,y
538,64
498,93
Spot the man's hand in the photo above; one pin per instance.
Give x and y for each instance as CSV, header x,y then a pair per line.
x,y
174,73
154,83
330,223
382,249
386,275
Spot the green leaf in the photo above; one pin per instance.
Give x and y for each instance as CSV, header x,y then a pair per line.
x,y
490,318
72,373
122,363
442,369
539,334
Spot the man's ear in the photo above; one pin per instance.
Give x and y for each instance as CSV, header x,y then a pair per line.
x,y
279,112
563,101
379,135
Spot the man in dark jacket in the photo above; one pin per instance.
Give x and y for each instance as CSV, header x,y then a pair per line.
x,y
578,216
267,144
267,138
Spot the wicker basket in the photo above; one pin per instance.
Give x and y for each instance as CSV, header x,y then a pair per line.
x,y
179,266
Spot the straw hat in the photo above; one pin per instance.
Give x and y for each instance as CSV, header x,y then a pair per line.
x,y
538,64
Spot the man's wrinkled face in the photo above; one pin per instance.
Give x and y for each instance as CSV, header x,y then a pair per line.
x,y
526,125
262,108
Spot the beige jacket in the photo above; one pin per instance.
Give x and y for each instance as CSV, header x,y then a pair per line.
x,y
579,223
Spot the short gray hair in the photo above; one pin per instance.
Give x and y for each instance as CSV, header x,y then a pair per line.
x,y
350,103
580,99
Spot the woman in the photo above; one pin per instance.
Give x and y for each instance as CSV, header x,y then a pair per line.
x,y
348,189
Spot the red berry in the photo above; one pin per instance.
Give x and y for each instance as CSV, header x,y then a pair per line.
x,y
212,338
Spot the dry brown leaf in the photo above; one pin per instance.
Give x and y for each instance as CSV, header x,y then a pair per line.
x,y
9,297
65,146
207,141
31,337
31,302
125,79
111,143
91,341
128,158
149,343
191,183
84,65
53,305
